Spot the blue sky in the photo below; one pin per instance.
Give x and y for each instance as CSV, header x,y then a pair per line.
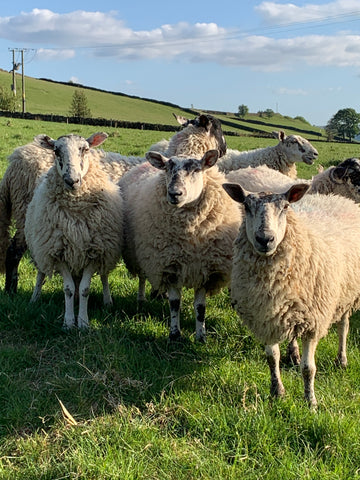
x,y
297,58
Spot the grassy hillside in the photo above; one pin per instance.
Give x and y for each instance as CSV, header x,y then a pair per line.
x,y
55,98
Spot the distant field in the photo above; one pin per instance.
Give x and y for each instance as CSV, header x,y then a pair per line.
x,y
143,408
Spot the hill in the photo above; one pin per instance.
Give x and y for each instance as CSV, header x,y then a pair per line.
x,y
44,96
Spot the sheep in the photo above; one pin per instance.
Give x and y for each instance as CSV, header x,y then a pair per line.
x,y
343,179
179,229
199,135
74,221
282,157
29,162
296,271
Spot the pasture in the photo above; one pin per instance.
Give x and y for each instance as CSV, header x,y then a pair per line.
x,y
143,408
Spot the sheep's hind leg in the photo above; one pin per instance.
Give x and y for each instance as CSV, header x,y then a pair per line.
x,y
69,290
308,369
199,307
174,296
273,358
84,291
14,254
343,330
40,279
293,352
106,290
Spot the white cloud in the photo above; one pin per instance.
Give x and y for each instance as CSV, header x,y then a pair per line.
x,y
104,35
276,13
290,91
51,54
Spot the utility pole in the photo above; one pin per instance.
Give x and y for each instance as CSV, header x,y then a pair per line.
x,y
16,66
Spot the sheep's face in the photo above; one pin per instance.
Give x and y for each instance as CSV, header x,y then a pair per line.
x,y
297,149
265,215
347,173
72,156
184,176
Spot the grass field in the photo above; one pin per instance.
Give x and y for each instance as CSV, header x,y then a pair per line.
x,y
144,408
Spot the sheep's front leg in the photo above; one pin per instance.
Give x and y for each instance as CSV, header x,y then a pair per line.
x,y
69,290
308,369
174,296
199,307
343,330
273,358
40,279
84,291
106,290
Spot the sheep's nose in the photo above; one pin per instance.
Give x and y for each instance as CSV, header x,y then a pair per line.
x,y
264,241
71,183
174,196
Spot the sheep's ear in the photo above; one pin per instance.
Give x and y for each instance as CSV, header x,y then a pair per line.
x,y
156,159
279,135
182,120
204,121
45,141
209,159
235,191
97,139
296,192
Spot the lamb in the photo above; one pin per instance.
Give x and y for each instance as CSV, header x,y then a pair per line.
x,y
282,157
179,229
29,162
296,271
74,221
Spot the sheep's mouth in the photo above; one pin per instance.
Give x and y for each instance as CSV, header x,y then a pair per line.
x,y
308,160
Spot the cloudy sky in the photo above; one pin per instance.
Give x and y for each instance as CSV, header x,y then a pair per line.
x,y
297,58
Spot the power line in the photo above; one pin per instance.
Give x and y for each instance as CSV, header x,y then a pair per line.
x,y
16,66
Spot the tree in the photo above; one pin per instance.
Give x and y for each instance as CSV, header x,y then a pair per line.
x,y
79,105
269,113
7,100
345,123
242,110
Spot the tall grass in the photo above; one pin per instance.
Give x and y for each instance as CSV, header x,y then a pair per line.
x,y
144,408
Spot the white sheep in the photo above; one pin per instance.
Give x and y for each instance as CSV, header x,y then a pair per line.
x,y
282,157
74,221
296,271
343,179
179,229
27,164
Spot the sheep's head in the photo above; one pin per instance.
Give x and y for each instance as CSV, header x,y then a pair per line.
x,y
348,172
184,176
265,214
71,155
203,125
296,148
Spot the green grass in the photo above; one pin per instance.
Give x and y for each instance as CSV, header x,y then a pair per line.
x,y
149,409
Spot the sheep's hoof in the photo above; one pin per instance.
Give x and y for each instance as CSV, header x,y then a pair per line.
x,y
68,326
201,338
277,390
341,361
175,336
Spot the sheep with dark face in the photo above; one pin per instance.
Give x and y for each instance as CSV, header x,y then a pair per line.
x,y
282,157
179,229
198,135
74,222
296,271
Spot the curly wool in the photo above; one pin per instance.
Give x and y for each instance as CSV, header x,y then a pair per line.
x,y
189,246
75,227
310,281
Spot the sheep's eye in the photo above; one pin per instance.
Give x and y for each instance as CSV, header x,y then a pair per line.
x,y
286,206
